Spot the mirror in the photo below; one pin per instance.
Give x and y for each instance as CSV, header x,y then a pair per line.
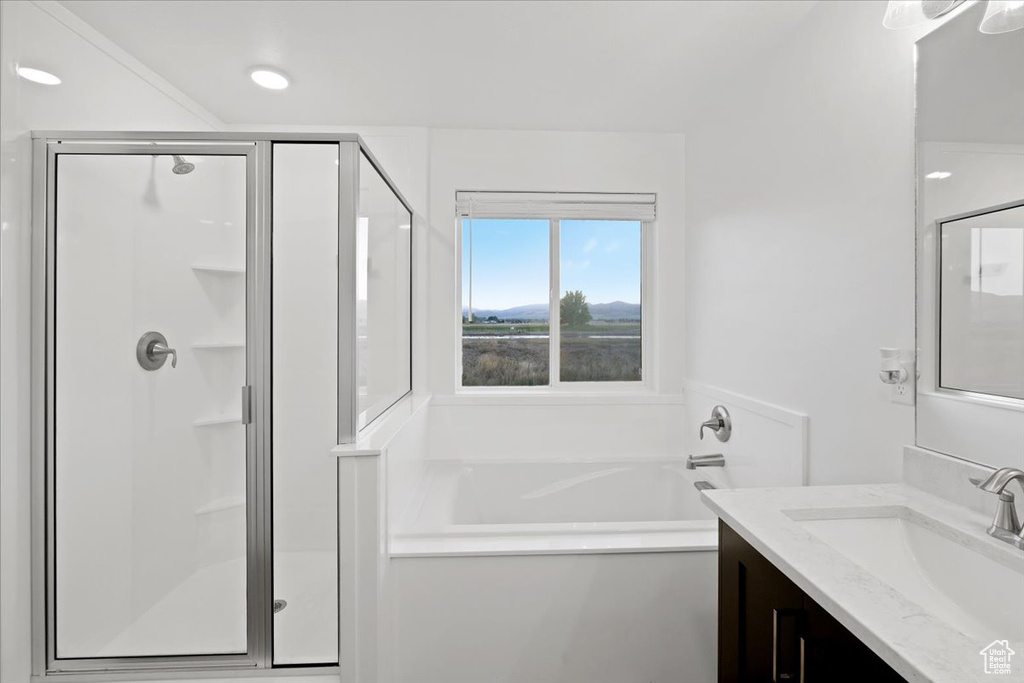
x,y
970,256
981,300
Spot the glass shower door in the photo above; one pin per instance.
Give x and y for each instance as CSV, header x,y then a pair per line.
x,y
148,453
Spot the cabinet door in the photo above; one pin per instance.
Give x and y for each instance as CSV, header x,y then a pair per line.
x,y
770,631
760,616
833,654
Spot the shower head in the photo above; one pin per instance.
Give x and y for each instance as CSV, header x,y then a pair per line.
x,y
182,167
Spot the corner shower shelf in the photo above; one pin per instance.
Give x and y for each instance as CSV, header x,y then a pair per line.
x,y
218,420
218,270
219,504
219,345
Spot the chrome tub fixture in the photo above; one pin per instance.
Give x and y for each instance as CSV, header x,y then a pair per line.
x,y
712,460
720,423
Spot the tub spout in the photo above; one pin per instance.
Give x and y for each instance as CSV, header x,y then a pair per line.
x,y
713,460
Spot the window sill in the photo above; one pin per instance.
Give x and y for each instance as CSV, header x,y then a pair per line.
x,y
990,401
548,397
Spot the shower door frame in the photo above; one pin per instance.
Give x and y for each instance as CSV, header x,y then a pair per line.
x,y
258,147
259,556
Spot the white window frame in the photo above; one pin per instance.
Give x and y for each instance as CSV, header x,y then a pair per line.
x,y
556,207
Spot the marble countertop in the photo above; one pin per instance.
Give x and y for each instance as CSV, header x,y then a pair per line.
x,y
919,646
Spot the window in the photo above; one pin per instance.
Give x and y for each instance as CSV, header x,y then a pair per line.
x,y
552,289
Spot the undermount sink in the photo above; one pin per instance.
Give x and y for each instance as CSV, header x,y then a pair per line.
x,y
930,565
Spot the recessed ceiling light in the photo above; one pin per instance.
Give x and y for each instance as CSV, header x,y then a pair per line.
x,y
37,76
268,78
938,175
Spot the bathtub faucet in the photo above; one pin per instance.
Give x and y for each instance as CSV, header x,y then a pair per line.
x,y
713,460
720,423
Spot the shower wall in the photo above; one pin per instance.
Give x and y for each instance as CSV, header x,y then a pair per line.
x,y
150,474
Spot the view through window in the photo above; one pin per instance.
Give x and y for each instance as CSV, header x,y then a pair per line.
x,y
508,273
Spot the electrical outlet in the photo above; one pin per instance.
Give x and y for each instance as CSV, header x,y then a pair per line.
x,y
905,392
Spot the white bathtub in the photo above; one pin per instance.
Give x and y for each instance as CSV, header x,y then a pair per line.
x,y
555,507
561,572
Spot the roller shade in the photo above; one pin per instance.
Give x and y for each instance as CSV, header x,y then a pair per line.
x,y
605,206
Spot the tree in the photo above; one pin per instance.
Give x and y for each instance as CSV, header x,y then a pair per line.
x,y
573,310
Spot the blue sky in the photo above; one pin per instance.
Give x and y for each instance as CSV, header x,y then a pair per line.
x,y
510,261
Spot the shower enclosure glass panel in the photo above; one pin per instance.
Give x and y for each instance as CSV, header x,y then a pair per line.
x,y
149,449
305,402
383,295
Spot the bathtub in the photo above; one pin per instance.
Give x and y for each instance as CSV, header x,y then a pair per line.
x,y
557,571
553,507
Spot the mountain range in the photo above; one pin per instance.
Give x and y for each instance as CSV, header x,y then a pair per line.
x,y
615,310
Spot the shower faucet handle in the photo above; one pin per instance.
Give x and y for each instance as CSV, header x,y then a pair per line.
x,y
152,350
720,423
159,350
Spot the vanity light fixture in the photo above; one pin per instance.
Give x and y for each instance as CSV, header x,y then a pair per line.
x,y
1001,16
938,175
933,9
267,77
37,76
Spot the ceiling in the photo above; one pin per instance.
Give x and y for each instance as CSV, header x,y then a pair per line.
x,y
596,66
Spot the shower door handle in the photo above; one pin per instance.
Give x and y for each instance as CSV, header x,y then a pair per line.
x,y
247,405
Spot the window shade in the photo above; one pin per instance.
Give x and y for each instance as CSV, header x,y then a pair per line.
x,y
634,207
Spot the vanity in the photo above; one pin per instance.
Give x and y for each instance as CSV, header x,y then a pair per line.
x,y
921,580
883,582
771,629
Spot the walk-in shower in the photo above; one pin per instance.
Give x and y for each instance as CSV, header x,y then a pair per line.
x,y
206,336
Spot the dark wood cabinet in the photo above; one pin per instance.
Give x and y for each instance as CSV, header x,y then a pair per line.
x,y
769,631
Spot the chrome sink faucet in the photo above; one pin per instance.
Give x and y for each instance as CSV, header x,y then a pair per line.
x,y
1006,526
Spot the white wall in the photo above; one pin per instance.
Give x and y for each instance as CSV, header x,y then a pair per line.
x,y
102,89
800,236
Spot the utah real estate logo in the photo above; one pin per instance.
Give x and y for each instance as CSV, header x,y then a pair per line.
x,y
997,657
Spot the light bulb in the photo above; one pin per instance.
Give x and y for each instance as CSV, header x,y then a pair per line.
x,y
37,76
269,78
903,14
933,9
1003,16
